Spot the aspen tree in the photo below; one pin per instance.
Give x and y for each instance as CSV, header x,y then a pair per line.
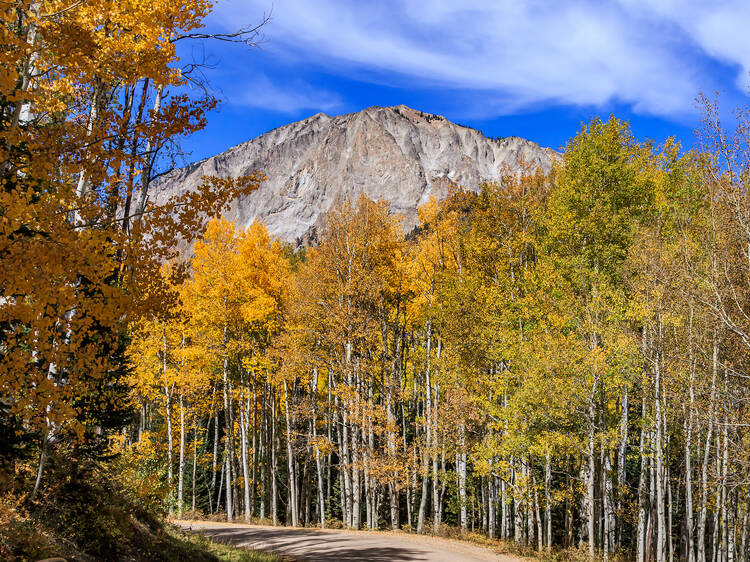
x,y
65,324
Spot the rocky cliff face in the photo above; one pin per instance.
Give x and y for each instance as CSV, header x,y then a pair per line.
x,y
394,153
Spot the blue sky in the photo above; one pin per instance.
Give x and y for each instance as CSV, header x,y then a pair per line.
x,y
532,68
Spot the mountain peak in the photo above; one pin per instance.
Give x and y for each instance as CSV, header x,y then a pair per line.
x,y
398,154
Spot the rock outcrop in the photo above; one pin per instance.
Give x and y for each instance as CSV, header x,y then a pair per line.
x,y
394,153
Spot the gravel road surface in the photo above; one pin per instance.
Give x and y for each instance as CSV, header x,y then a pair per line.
x,y
313,545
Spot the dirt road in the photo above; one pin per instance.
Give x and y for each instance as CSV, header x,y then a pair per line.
x,y
313,545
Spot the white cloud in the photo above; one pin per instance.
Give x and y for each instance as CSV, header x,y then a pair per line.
x,y
719,27
290,97
652,56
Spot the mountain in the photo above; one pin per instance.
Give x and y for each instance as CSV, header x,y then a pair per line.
x,y
393,153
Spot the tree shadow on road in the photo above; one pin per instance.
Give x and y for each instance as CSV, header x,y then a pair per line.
x,y
313,546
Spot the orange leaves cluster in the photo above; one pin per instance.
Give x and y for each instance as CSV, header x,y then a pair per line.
x,y
230,309
83,112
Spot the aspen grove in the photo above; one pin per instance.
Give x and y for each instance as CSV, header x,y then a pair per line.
x,y
559,361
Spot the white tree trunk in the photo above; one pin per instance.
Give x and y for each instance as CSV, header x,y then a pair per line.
x,y
435,478
661,530
228,487
461,461
428,433
703,513
181,477
689,518
274,467
214,461
195,465
244,426
591,482
228,437
290,463
318,460
548,499
168,407
622,455
83,186
356,480
21,107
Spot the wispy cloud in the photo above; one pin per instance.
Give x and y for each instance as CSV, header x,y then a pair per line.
x,y
289,97
718,27
654,56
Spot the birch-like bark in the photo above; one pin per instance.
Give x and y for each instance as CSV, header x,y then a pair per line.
x,y
392,485
344,462
168,407
290,463
330,420
221,485
21,106
485,501
608,530
518,504
411,489
727,543
461,461
170,445
670,506
703,513
228,453
195,464
443,471
591,480
274,466
622,454
529,503
743,540
244,414
504,515
228,487
254,411
717,508
660,514
83,186
40,467
435,478
181,477
263,450
548,499
318,460
491,505
356,480
642,489
689,519
214,460
538,518
428,432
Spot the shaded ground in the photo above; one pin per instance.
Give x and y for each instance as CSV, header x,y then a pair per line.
x,y
314,545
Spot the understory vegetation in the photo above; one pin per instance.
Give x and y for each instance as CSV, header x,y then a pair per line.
x,y
101,512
